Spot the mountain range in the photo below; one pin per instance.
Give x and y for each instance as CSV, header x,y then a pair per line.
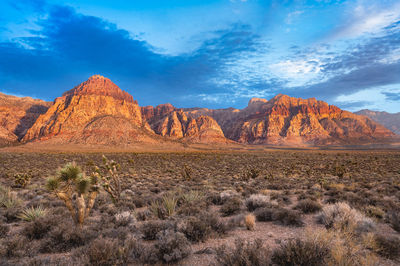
x,y
98,112
389,120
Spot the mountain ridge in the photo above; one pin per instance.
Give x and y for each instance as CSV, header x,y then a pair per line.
x,y
97,111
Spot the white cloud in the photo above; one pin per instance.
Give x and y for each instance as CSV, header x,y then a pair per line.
x,y
368,18
292,16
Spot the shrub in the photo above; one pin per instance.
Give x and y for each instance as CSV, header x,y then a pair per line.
x,y
394,220
299,252
196,229
388,246
287,217
65,236
150,229
38,228
375,212
172,246
186,172
22,180
264,214
103,251
342,216
231,206
31,214
245,253
4,229
256,201
282,216
250,221
308,206
251,173
124,218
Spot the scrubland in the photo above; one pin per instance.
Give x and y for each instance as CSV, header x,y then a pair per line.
x,y
283,207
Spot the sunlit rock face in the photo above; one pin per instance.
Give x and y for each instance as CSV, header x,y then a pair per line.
x,y
288,120
174,123
83,109
17,115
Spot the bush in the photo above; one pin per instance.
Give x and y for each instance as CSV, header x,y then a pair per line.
x,y
231,206
22,180
388,246
394,220
124,218
150,229
256,201
38,228
196,229
103,251
287,217
281,216
298,252
65,236
375,212
4,229
342,216
308,206
172,246
245,253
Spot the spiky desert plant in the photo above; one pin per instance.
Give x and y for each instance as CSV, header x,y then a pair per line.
x,y
8,199
78,191
110,178
169,202
32,213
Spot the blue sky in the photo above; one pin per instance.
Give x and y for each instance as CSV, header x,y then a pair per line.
x,y
206,53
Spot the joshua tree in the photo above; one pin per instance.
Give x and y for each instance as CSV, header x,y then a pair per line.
x,y
78,191
110,178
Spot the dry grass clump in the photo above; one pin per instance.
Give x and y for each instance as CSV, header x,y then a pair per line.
x,y
250,221
245,253
342,216
308,206
256,201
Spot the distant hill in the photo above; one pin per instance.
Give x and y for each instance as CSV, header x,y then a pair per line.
x,y
389,120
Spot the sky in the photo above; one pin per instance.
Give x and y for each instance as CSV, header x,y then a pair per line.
x,y
206,53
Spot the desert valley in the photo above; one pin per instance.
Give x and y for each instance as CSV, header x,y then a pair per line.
x,y
93,178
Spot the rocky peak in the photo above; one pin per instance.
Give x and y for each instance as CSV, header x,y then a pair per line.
x,y
99,85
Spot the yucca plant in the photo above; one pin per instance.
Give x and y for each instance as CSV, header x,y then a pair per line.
x,y
8,199
192,196
32,213
110,178
169,202
77,190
